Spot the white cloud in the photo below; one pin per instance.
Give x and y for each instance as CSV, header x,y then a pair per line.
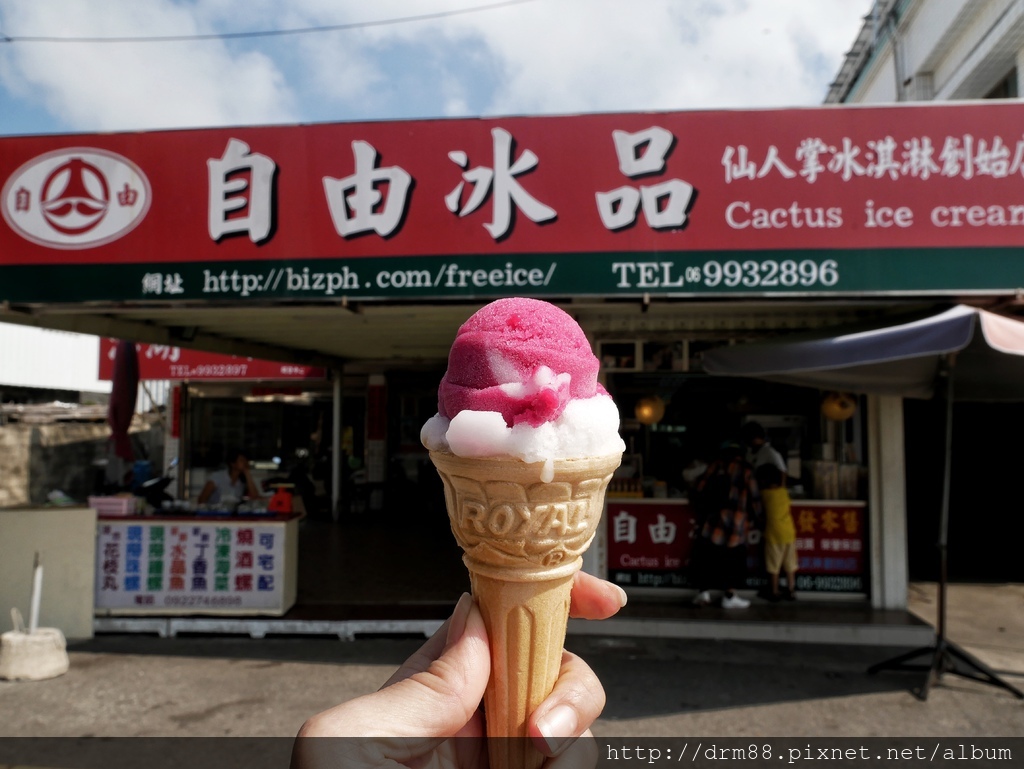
x,y
584,55
546,56
135,85
338,70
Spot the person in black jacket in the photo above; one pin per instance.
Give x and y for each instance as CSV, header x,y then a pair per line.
x,y
726,504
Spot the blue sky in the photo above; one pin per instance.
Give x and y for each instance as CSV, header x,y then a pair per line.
x,y
483,57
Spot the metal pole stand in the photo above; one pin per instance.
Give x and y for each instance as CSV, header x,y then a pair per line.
x,y
946,657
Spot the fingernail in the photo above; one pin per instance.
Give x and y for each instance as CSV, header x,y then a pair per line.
x,y
457,624
622,596
558,727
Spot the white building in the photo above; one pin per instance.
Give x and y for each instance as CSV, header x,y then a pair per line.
x,y
949,50
934,50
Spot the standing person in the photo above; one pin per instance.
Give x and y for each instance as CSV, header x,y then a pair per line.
x,y
779,532
233,481
760,451
726,503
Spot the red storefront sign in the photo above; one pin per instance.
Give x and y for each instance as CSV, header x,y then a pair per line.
x,y
649,544
166,362
881,198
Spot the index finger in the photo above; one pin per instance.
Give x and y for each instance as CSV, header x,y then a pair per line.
x,y
594,598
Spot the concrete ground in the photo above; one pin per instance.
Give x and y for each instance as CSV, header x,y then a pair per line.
x,y
132,685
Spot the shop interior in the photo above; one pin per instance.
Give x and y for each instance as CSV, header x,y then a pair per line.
x,y
675,418
694,414
284,431
389,542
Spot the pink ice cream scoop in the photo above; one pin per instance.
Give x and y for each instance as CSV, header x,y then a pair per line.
x,y
523,358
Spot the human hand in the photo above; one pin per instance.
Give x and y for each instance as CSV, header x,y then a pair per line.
x,y
436,694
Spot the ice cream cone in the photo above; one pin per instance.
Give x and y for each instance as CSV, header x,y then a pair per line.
x,y
523,540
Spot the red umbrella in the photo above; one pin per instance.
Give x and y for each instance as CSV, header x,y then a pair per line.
x,y
122,398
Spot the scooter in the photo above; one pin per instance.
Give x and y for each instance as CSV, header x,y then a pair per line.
x,y
154,491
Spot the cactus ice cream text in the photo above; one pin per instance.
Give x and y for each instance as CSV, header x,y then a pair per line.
x,y
525,440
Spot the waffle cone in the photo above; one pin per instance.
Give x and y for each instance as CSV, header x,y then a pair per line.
x,y
523,540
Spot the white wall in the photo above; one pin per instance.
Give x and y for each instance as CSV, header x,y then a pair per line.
x,y
979,50
65,538
61,360
878,83
948,49
58,360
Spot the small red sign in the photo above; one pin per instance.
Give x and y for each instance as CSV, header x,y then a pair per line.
x,y
650,541
829,537
166,362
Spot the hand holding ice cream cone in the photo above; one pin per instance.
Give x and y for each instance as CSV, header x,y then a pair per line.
x,y
437,692
526,441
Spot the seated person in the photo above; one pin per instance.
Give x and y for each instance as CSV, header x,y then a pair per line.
x,y
235,481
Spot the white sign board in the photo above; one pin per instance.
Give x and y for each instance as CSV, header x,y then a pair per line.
x,y
169,566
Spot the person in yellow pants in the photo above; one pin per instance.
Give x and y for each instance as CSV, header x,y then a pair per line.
x,y
780,533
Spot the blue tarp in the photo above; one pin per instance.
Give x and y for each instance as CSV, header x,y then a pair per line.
x,y
893,356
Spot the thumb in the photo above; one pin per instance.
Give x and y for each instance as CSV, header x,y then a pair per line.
x,y
438,697
434,694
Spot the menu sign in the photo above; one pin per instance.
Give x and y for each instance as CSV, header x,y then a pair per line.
x,y
189,567
649,543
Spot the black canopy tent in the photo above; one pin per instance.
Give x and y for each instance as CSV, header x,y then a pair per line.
x,y
915,356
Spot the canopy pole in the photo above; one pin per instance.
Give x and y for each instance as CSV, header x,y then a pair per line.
x,y
946,391
946,657
336,448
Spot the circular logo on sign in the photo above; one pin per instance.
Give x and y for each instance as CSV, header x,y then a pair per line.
x,y
75,198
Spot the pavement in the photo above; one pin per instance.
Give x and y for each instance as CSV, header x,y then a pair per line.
x,y
212,686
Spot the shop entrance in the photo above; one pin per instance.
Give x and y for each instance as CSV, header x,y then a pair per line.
x,y
389,542
284,430
652,521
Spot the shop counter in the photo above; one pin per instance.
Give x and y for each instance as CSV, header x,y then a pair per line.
x,y
196,565
646,543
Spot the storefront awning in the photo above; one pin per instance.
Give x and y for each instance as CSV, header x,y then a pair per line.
x,y
961,353
892,357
